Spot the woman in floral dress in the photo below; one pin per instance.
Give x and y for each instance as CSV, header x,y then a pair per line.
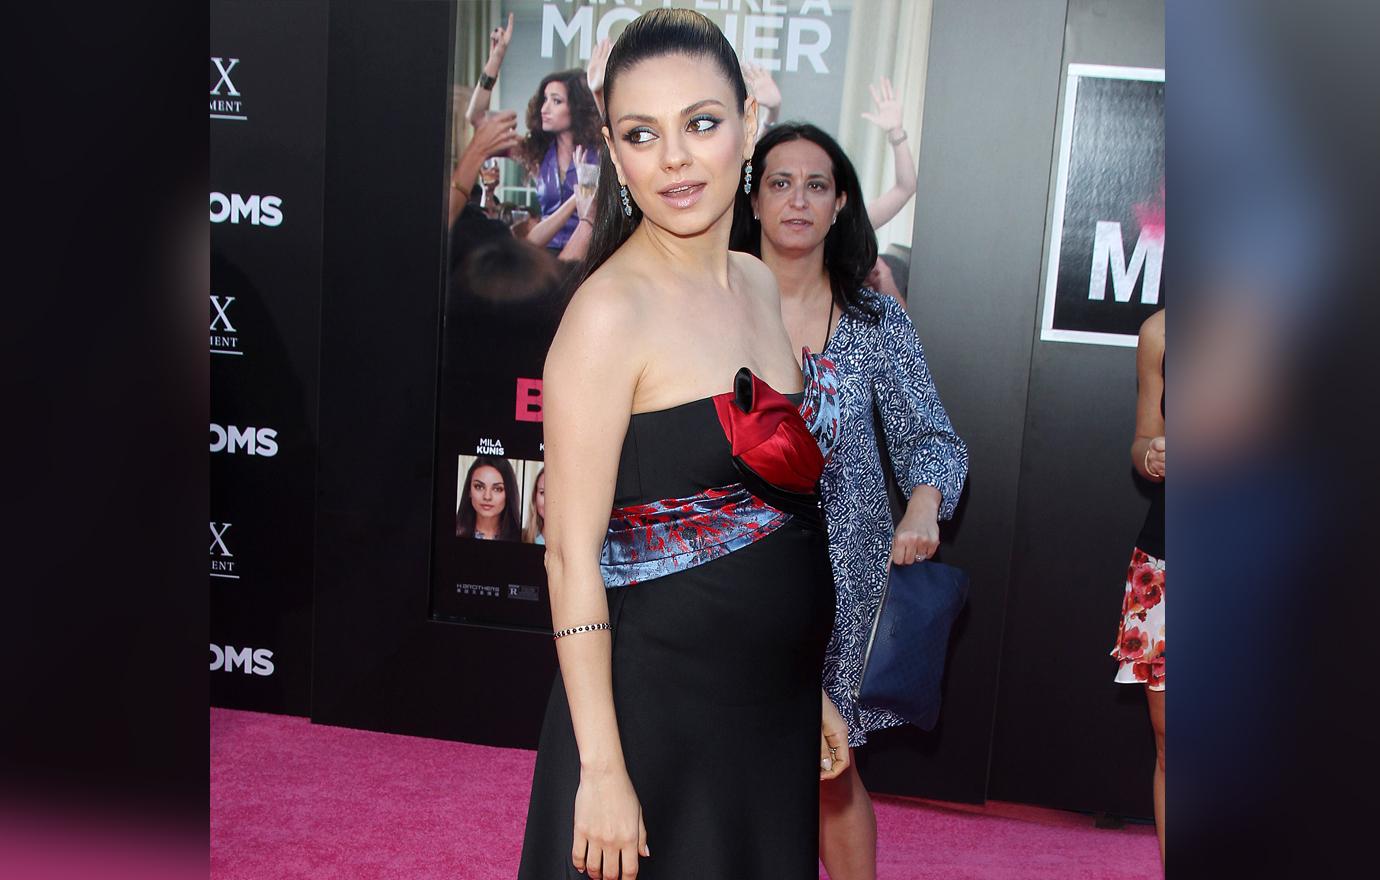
x,y
1139,646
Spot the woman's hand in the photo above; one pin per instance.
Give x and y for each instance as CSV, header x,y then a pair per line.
x,y
598,60
887,107
594,72
917,534
499,38
492,136
834,756
584,196
609,834
1155,460
496,134
762,86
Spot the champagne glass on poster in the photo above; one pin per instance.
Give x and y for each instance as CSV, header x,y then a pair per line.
x,y
586,171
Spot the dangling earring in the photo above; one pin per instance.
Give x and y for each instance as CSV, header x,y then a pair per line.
x,y
747,178
623,193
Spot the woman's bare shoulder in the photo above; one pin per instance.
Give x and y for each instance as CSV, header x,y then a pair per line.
x,y
1150,342
606,313
753,276
609,294
1152,329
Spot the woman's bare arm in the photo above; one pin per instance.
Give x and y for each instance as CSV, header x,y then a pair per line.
x,y
587,390
493,136
887,117
1150,385
499,38
882,209
547,228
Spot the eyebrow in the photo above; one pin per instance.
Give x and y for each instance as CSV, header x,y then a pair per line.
x,y
786,172
638,117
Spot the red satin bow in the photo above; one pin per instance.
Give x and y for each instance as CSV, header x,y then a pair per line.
x,y
771,437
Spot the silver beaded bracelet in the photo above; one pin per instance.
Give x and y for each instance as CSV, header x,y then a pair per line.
x,y
588,627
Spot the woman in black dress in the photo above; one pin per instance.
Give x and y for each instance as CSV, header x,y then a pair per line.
x,y
688,568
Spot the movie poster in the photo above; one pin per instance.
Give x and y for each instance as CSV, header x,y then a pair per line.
x,y
502,306
510,256
1106,255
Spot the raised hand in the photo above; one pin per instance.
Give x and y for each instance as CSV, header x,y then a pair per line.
x,y
587,177
762,86
496,134
499,38
598,60
886,107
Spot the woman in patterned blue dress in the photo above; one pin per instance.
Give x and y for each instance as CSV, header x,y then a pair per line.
x,y
807,220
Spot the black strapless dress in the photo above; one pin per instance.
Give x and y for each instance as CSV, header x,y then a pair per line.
x,y
716,671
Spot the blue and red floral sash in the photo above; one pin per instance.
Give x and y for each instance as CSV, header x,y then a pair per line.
x,y
779,447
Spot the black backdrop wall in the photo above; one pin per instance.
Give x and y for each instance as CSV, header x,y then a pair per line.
x,y
1078,513
1050,511
267,118
993,80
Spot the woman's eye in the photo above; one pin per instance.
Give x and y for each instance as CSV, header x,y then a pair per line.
x,y
816,185
702,124
638,136
779,184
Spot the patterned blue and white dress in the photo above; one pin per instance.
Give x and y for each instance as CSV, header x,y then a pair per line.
x,y
881,365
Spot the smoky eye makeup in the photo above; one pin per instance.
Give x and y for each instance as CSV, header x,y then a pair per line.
x,y
704,122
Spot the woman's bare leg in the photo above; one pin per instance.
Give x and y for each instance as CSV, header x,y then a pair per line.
x,y
1156,700
847,827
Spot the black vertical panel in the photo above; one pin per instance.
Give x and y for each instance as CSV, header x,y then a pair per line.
x,y
990,99
380,662
267,108
1066,735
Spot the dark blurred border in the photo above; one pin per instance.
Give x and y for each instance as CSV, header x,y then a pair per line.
x,y
1273,190
103,747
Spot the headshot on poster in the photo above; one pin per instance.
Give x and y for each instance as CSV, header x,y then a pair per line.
x,y
488,499
534,506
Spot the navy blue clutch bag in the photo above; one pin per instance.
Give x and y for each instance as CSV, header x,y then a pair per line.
x,y
903,662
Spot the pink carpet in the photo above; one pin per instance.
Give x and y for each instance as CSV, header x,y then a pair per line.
x,y
293,799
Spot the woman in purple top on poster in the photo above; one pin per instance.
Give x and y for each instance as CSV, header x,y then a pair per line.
x,y
562,128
